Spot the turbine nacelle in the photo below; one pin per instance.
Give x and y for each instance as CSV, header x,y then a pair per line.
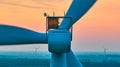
x,y
59,41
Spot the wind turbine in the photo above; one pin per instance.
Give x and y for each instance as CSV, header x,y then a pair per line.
x,y
58,40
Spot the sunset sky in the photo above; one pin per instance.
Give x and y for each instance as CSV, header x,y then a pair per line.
x,y
99,28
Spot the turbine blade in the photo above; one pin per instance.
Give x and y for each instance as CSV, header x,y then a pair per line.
x,y
77,9
72,61
10,35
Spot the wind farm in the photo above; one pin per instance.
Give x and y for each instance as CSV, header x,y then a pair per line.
x,y
58,37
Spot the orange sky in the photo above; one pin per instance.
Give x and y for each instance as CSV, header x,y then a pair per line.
x,y
101,22
29,13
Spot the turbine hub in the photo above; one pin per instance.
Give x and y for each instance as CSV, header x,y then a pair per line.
x,y
59,41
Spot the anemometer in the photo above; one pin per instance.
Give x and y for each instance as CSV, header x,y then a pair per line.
x,y
57,36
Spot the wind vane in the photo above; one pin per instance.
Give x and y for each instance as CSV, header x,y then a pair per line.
x,y
58,36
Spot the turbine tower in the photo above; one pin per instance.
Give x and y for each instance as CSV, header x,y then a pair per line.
x,y
58,38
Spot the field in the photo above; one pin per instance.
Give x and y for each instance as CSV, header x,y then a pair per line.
x,y
33,59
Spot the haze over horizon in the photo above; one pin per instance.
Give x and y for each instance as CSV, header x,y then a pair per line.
x,y
99,28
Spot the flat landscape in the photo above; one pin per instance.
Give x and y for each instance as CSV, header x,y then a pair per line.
x,y
41,59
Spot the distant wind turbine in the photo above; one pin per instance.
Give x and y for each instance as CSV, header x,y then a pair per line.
x,y
58,40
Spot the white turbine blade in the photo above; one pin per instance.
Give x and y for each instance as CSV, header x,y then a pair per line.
x,y
15,35
72,61
77,9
